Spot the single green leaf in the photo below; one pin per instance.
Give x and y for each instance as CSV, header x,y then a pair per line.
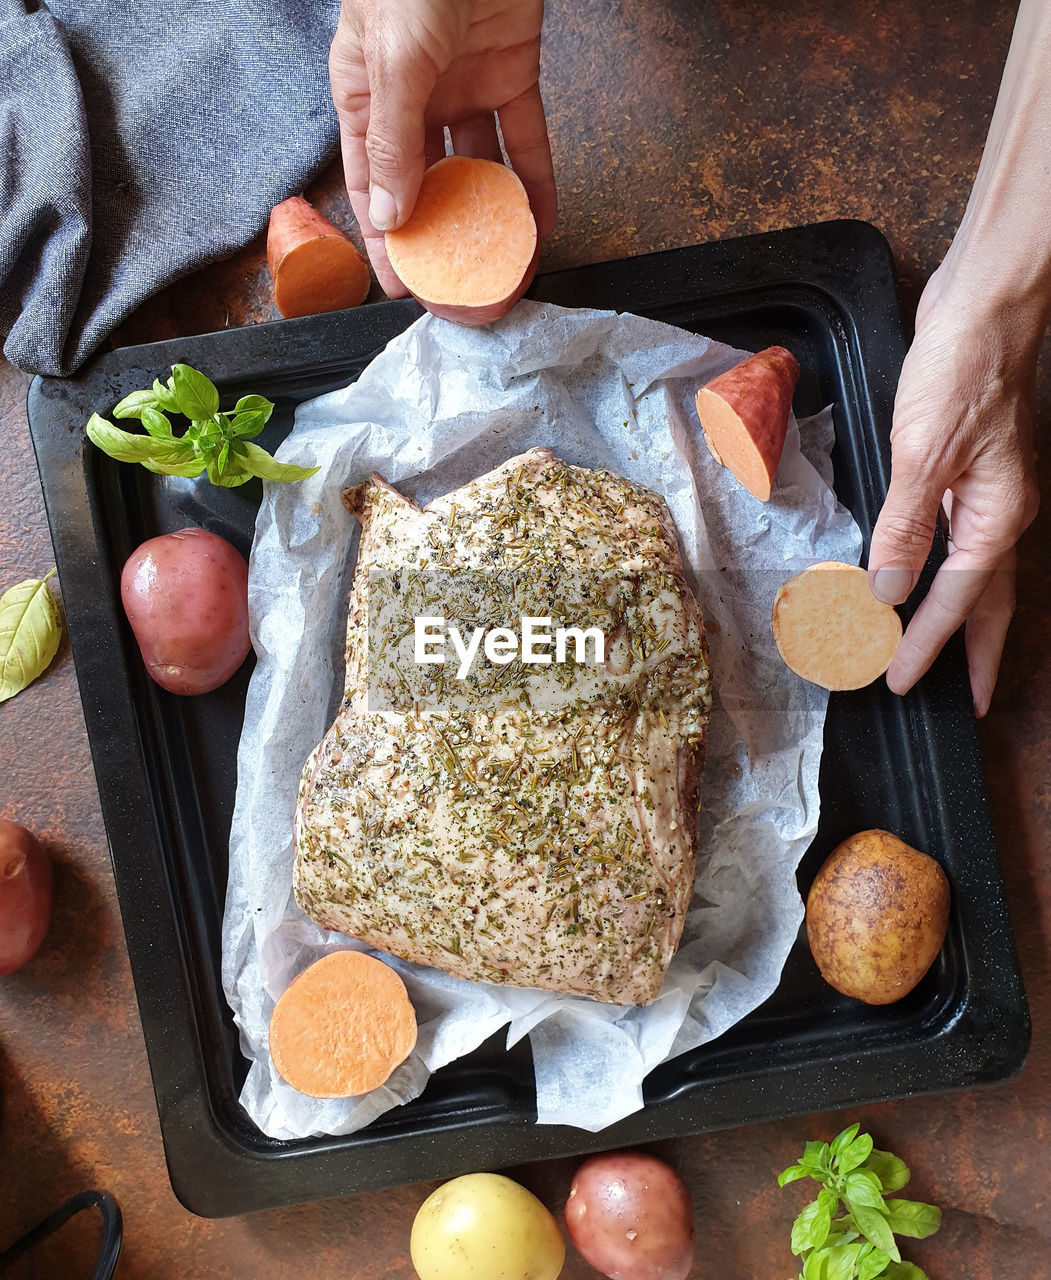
x,y
189,469
30,632
261,464
231,476
841,1260
874,1226
246,425
843,1139
815,1265
912,1218
863,1189
156,423
127,446
815,1157
811,1227
855,1153
872,1262
903,1271
792,1174
893,1173
133,405
224,456
195,394
255,404
166,396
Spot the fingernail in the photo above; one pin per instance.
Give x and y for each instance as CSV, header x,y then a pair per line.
x,y
383,212
893,586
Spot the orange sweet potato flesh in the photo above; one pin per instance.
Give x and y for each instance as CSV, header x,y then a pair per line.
x,y
342,1026
831,630
744,416
470,248
313,265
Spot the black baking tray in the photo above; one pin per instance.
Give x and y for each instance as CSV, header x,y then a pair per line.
x,y
166,766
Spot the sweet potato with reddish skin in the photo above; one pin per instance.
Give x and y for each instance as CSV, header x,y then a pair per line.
x,y
469,249
830,628
342,1026
629,1215
744,417
25,895
876,916
186,597
313,265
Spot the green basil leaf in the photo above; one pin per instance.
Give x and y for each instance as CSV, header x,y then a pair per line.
x,y
261,464
792,1174
903,1271
127,446
863,1189
844,1139
892,1172
255,404
30,632
195,394
811,1227
872,1262
133,405
841,1260
815,1157
188,469
814,1267
166,396
156,423
874,1226
855,1153
912,1218
246,425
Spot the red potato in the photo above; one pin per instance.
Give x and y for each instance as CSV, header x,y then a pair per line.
x,y
831,630
744,417
313,265
25,895
630,1216
186,597
470,248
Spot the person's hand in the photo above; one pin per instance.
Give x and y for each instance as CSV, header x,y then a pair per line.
x,y
962,442
404,70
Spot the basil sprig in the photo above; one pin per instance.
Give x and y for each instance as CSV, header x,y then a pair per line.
x,y
215,442
858,1243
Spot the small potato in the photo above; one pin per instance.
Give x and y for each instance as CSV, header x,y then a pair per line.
x,y
25,895
630,1216
483,1226
186,597
876,917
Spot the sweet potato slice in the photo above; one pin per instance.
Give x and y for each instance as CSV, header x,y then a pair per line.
x,y
744,417
342,1026
830,628
313,265
469,249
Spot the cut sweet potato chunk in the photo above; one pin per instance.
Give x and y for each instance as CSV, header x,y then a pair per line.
x,y
469,249
342,1026
313,265
744,417
831,630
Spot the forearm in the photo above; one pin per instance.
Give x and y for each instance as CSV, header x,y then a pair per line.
x,y
1003,245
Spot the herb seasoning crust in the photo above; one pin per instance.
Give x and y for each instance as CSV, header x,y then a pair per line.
x,y
530,825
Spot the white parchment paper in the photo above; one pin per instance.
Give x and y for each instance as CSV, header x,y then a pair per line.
x,y
439,406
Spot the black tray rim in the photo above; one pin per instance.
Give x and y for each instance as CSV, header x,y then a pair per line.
x,y
215,1171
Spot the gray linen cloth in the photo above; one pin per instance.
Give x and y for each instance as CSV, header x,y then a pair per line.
x,y
139,140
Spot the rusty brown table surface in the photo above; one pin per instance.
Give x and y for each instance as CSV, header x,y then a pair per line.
x,y
673,122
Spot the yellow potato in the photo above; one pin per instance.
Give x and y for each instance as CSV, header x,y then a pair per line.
x,y
876,917
483,1226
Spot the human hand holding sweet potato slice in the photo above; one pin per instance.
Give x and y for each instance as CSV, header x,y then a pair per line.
x,y
469,251
401,74
831,630
744,417
342,1026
